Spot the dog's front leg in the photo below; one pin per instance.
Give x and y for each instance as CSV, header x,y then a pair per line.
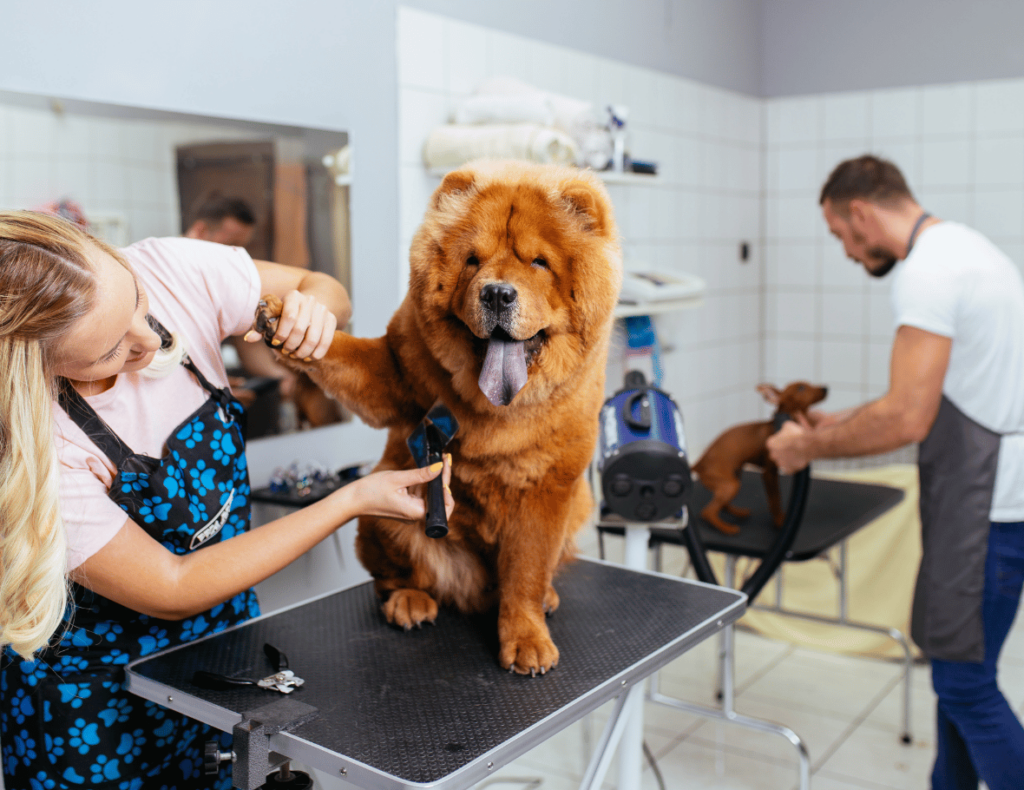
x,y
361,373
528,554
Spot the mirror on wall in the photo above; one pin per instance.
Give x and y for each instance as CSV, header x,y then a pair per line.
x,y
129,173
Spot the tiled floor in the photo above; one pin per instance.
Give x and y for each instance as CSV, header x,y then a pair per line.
x,y
848,711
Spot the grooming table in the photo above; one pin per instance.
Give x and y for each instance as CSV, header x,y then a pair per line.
x,y
834,510
432,707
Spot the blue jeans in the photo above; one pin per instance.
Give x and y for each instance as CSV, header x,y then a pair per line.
x,y
979,737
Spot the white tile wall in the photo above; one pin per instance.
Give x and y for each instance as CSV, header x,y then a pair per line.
x,y
705,201
108,165
961,148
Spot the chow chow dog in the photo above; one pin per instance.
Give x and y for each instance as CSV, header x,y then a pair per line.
x,y
514,274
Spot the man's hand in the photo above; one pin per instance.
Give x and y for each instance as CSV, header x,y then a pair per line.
x,y
790,446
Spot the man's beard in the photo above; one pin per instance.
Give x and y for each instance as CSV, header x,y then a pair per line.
x,y
885,260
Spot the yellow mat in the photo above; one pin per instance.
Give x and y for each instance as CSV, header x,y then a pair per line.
x,y
882,561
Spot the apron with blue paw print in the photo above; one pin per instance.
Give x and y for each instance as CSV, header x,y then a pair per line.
x,y
66,720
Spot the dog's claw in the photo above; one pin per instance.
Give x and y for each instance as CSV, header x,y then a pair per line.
x,y
533,672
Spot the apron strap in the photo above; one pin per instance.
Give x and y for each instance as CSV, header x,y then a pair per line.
x,y
86,418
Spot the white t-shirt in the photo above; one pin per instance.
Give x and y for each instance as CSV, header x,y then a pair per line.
x,y
957,284
201,290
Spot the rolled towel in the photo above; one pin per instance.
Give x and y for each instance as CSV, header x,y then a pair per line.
x,y
521,108
452,145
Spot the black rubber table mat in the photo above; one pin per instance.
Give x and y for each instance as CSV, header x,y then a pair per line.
x,y
835,510
433,706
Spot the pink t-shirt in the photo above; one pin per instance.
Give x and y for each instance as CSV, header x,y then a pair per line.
x,y
204,292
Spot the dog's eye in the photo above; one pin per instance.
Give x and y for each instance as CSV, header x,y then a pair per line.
x,y
540,262
472,260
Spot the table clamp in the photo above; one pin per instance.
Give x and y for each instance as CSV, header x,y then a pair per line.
x,y
252,758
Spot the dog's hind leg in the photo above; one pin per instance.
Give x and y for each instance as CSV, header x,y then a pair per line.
x,y
722,491
738,512
770,475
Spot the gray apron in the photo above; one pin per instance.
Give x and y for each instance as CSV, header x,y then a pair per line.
x,y
957,463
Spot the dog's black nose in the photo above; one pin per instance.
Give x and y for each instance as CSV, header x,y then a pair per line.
x,y
498,297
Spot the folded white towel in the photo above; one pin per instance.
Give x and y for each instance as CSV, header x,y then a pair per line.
x,y
569,114
452,145
522,108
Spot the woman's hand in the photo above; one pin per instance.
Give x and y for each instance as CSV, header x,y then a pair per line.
x,y
398,493
304,330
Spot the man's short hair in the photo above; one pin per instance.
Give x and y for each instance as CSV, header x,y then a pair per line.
x,y
215,208
865,178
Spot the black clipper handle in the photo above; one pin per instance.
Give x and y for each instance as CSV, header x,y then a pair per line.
x,y
437,518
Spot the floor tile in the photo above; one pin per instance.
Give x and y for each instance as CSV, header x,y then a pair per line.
x,y
870,754
843,686
692,765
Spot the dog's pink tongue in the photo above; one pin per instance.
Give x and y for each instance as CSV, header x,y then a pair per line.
x,y
504,371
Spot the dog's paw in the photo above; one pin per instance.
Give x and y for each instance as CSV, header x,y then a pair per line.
x,y
551,601
529,655
268,311
407,608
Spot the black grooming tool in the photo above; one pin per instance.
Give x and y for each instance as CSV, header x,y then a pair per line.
x,y
427,444
283,679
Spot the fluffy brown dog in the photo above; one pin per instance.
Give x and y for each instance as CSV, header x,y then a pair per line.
x,y
719,468
514,275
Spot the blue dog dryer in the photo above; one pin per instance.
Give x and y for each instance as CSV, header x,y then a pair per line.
x,y
645,475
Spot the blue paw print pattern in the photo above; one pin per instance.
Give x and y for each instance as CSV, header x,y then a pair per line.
x,y
224,449
155,640
33,671
204,478
174,482
24,747
130,747
41,782
53,744
74,694
108,630
191,434
117,711
133,482
21,707
116,657
198,510
83,736
105,768
155,509
193,628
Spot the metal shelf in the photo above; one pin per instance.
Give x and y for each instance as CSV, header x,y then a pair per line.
x,y
608,176
624,310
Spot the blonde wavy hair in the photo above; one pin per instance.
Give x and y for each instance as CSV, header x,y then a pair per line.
x,y
46,285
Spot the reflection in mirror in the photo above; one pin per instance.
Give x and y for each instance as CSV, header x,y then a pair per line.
x,y
129,173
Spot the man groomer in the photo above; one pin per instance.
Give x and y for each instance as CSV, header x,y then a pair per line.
x,y
957,387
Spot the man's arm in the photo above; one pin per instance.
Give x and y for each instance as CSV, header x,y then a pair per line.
x,y
902,416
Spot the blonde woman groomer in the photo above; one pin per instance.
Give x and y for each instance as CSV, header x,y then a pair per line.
x,y
122,469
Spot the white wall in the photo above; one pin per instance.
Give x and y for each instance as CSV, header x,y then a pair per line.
x,y
819,46
961,148
692,218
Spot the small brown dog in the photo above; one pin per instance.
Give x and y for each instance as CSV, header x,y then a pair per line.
x,y
719,468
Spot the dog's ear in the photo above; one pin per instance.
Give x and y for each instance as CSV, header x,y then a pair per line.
x,y
769,393
585,204
456,182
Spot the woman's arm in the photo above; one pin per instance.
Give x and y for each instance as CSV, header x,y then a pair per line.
x,y
136,571
315,305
